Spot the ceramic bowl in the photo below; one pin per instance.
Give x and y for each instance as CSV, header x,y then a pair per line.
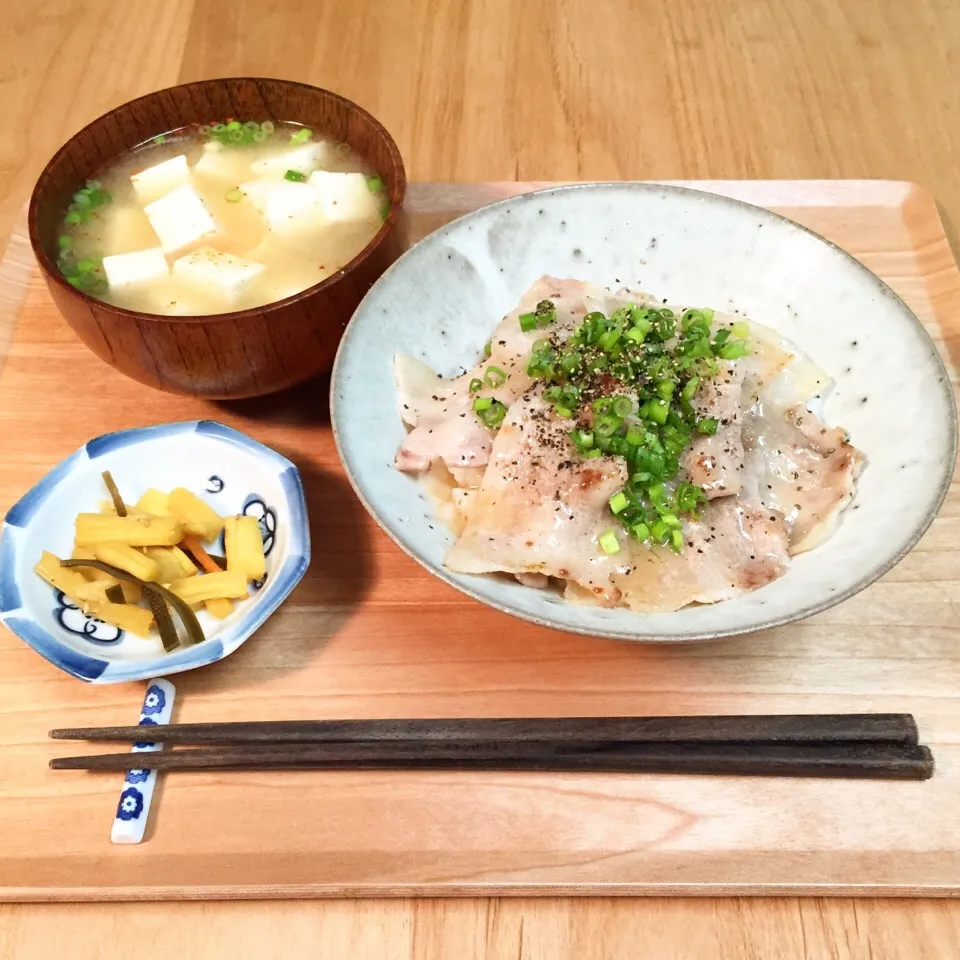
x,y
244,353
231,472
440,301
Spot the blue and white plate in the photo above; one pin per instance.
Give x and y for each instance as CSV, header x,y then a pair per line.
x,y
231,472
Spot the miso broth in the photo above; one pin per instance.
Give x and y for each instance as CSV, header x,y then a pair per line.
x,y
213,219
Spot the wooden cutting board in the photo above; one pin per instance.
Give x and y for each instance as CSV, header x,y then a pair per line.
x,y
369,633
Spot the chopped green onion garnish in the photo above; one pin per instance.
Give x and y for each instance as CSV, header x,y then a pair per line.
x,y
618,502
732,350
641,531
493,414
233,195
476,385
64,242
494,377
295,176
546,313
707,425
622,407
488,348
564,412
302,135
258,136
582,440
609,543
234,125
665,388
741,329
374,184
690,388
607,424
528,322
608,340
657,411
482,403
267,127
660,531
252,126
676,541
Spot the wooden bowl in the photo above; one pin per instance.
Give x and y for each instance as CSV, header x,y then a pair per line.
x,y
245,353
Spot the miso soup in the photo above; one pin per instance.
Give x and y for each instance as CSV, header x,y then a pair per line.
x,y
217,218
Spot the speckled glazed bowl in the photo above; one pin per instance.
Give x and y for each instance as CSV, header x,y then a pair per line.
x,y
440,301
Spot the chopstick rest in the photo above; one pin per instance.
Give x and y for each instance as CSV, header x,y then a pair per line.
x,y
130,822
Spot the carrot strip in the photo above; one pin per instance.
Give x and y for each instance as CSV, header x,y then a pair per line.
x,y
193,546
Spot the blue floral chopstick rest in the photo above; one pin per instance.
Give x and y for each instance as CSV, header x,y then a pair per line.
x,y
130,823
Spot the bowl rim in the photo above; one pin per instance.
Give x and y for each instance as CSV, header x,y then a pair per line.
x,y
397,198
96,668
770,623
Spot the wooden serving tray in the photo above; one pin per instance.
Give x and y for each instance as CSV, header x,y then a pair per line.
x,y
370,634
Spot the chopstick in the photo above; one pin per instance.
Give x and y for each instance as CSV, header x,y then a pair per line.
x,y
881,728
849,760
832,745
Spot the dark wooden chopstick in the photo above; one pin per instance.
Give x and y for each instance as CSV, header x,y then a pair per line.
x,y
888,728
875,761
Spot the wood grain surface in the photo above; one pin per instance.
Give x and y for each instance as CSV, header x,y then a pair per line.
x,y
370,633
498,90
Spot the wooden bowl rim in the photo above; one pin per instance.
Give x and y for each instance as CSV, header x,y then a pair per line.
x,y
396,204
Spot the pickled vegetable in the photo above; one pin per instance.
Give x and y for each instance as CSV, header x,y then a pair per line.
x,y
197,517
228,584
127,558
244,546
93,528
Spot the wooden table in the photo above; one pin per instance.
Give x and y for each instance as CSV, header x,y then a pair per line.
x,y
506,90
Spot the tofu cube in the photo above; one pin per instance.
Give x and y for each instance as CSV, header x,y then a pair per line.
x,y
345,196
127,269
304,160
155,181
180,218
285,206
215,272
230,166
